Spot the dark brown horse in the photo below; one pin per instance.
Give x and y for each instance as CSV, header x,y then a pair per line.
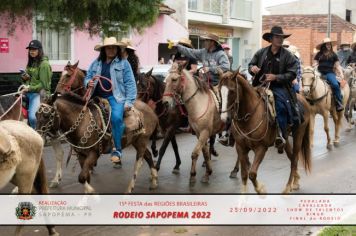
x,y
150,90
253,130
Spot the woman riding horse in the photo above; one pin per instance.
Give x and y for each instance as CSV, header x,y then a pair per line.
x,y
120,92
36,78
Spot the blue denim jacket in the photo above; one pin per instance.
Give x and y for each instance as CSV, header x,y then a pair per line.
x,y
124,86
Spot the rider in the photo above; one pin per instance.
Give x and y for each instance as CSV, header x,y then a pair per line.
x,y
129,53
226,48
277,65
343,53
296,82
352,57
189,63
109,64
213,57
36,79
326,60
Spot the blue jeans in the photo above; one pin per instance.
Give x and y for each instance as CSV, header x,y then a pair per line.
x,y
34,104
334,84
117,121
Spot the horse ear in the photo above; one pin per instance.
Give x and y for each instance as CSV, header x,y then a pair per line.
x,y
68,64
149,73
236,72
75,65
238,69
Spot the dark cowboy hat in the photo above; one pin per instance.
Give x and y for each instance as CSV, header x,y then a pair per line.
x,y
276,30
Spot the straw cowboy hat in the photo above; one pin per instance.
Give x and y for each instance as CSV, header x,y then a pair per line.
x,y
294,50
127,43
286,44
326,40
213,37
111,41
276,30
185,42
345,43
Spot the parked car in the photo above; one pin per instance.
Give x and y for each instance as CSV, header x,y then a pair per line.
x,y
159,71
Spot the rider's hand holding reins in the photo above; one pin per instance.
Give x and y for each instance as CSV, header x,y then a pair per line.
x,y
270,77
91,84
255,69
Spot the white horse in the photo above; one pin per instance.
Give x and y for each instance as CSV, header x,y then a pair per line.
x,y
21,160
350,76
320,97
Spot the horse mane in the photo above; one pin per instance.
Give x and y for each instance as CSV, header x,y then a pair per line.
x,y
201,85
158,89
73,98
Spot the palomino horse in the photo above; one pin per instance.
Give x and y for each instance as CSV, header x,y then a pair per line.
x,y
11,109
203,115
150,90
350,77
21,160
319,95
84,127
253,130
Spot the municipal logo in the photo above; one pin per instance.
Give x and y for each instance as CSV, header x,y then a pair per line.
x,y
25,211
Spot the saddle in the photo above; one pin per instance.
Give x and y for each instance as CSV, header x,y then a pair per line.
x,y
133,118
267,93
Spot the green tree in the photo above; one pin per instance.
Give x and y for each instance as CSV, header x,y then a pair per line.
x,y
89,15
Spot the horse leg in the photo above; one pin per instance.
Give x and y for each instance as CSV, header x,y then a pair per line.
x,y
87,164
153,144
154,174
244,162
326,129
176,153
337,117
293,182
209,171
138,164
167,138
58,153
259,155
202,139
233,173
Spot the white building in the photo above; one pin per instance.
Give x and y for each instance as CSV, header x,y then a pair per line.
x,y
236,22
346,9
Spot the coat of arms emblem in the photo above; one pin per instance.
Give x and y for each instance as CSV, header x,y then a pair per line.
x,y
25,211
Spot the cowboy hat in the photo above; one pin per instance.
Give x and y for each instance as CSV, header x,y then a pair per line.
x,y
326,40
294,50
127,43
345,43
276,30
108,42
353,45
286,44
213,37
185,42
225,46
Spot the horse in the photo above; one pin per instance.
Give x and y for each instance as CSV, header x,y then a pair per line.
x,y
203,115
253,129
83,126
150,90
21,161
350,77
11,109
319,95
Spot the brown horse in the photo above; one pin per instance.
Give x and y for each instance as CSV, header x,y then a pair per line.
x,y
150,90
85,129
21,161
253,130
204,118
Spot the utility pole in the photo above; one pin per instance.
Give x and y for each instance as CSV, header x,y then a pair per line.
x,y
329,19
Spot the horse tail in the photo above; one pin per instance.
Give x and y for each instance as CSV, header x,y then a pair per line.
x,y
40,183
306,149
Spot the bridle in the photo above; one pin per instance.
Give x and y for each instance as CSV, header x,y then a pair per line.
x,y
145,94
68,86
312,86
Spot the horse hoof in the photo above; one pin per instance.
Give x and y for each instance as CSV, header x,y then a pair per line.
x,y
175,171
329,147
233,175
261,189
153,186
205,179
192,180
337,144
295,187
287,190
54,184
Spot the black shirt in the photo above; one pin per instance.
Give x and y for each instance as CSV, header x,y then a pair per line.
x,y
271,65
326,64
105,71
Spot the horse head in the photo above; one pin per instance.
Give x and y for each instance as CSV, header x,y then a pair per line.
x,y
175,83
308,77
72,79
229,89
145,86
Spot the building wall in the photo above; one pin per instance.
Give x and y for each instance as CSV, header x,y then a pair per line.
x,y
338,7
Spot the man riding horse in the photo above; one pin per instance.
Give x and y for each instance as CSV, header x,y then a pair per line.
x,y
276,66
213,57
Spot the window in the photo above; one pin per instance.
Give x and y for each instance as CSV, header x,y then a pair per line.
x,y
56,42
241,9
192,5
205,6
348,15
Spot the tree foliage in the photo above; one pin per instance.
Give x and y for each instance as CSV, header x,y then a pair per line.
x,y
90,15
